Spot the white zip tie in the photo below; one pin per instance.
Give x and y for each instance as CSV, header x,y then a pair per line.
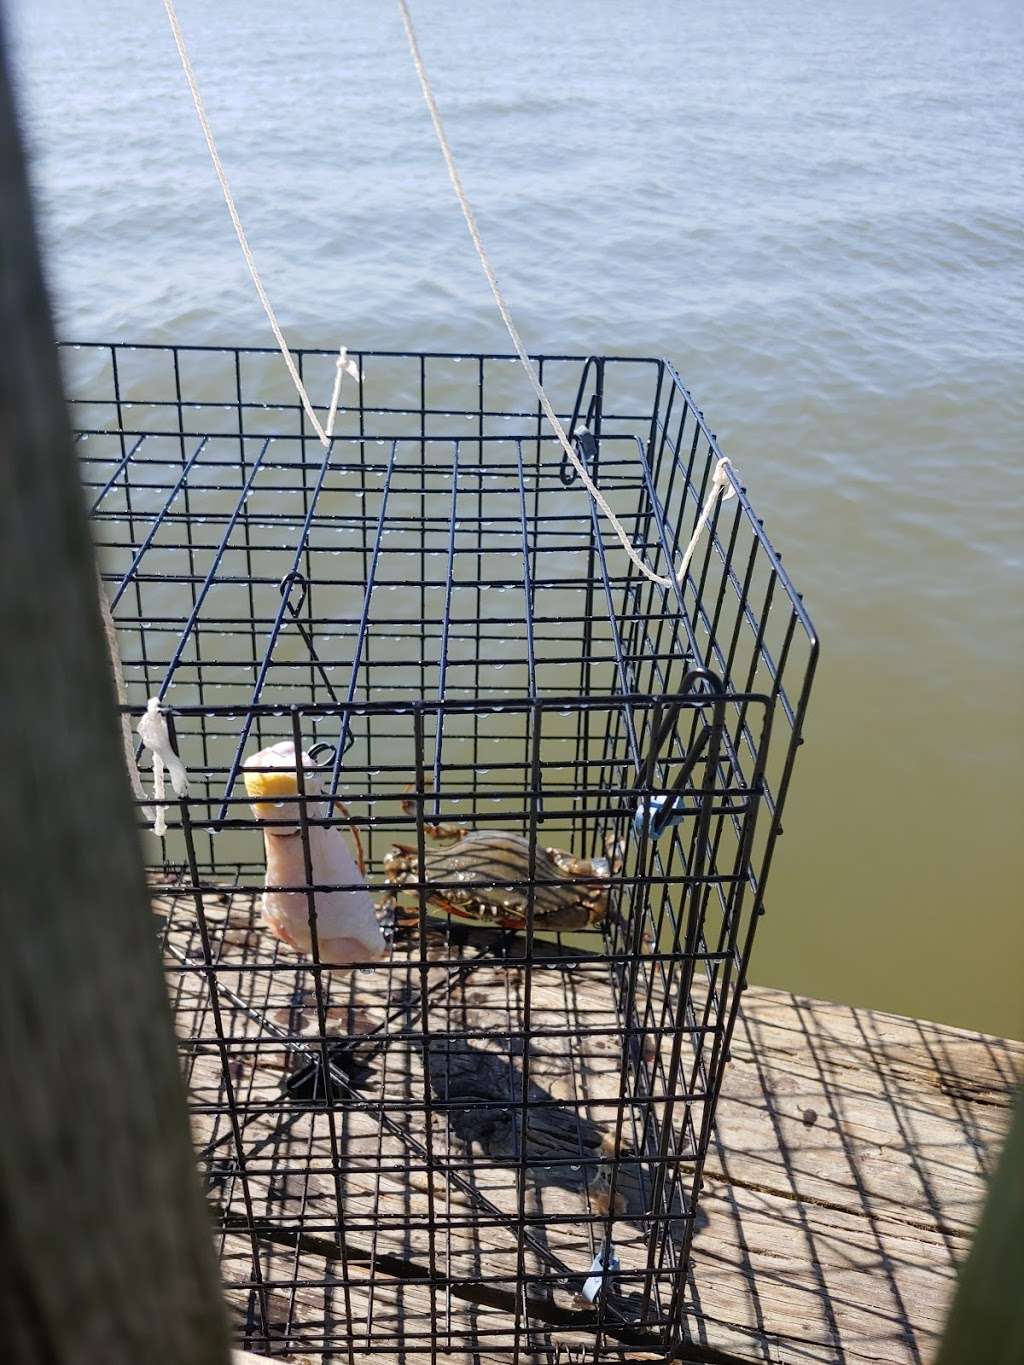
x,y
152,730
720,485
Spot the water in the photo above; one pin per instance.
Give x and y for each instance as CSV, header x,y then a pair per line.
x,y
814,211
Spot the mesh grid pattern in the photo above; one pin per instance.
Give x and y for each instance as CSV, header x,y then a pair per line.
x,y
426,1157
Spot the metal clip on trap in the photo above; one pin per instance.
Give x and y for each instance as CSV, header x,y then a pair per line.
x,y
605,1264
299,580
664,810
585,435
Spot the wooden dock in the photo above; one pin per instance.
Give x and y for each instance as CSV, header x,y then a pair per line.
x,y
851,1157
849,1163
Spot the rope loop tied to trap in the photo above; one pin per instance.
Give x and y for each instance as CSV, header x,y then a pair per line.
x,y
720,487
342,366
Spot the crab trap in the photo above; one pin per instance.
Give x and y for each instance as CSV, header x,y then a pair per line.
x,y
416,671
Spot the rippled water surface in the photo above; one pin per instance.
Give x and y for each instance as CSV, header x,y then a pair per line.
x,y
814,211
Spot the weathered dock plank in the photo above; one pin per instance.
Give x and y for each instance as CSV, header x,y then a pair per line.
x,y
851,1155
849,1162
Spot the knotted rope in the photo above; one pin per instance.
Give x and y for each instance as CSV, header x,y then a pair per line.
x,y
152,730
720,487
342,366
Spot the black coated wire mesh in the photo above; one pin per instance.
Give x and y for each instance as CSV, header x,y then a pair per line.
x,y
490,1143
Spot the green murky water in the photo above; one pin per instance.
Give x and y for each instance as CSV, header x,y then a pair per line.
x,y
815,214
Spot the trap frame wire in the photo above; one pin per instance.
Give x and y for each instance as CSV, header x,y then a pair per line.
x,y
491,1144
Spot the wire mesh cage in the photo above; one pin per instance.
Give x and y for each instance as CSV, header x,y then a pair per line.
x,y
565,782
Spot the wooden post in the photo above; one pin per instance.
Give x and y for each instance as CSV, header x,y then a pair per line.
x,y
105,1244
987,1318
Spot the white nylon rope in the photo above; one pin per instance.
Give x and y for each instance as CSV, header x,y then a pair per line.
x,y
506,317
344,364
243,241
720,486
720,481
152,730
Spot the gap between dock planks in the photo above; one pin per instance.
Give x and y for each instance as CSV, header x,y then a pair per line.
x,y
851,1155
847,1170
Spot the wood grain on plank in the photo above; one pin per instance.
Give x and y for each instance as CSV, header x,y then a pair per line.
x,y
849,1159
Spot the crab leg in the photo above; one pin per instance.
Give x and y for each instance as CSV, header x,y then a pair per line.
x,y
432,828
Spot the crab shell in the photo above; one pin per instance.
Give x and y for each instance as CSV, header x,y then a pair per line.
x,y
489,876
